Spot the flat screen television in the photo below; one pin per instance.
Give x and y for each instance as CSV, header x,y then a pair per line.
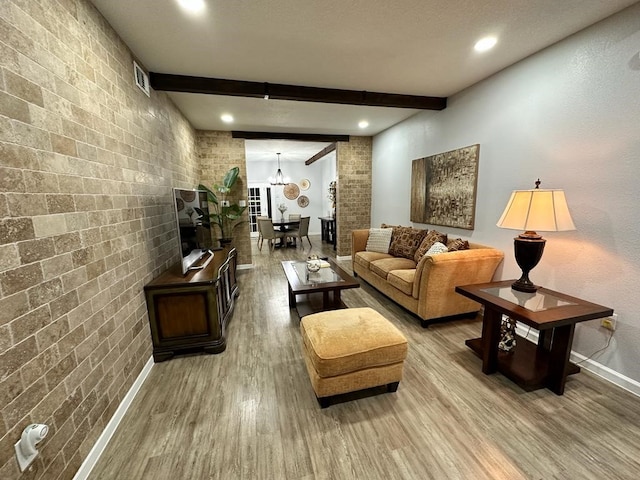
x,y
194,232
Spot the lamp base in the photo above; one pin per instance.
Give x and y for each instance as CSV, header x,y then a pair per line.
x,y
524,285
528,248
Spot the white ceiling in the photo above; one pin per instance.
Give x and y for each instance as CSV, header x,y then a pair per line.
x,y
417,47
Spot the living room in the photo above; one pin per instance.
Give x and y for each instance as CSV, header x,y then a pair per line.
x,y
88,162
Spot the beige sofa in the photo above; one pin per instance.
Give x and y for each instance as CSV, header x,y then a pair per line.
x,y
427,288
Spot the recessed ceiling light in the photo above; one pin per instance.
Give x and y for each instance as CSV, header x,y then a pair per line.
x,y
484,44
226,118
363,124
194,6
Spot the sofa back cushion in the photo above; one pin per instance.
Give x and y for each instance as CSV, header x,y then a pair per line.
x,y
405,241
379,240
427,242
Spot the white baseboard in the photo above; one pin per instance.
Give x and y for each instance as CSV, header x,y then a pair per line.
x,y
592,366
95,453
343,257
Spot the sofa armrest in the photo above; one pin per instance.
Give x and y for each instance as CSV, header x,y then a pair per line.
x,y
438,275
359,240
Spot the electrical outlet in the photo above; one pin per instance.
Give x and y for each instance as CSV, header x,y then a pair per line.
x,y
610,322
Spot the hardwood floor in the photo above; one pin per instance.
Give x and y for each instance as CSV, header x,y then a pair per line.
x,y
250,412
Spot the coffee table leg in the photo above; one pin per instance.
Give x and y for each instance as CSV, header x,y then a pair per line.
x,y
292,298
490,340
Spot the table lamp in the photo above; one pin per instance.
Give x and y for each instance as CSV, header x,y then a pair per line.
x,y
531,210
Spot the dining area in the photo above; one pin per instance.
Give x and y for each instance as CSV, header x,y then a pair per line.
x,y
286,232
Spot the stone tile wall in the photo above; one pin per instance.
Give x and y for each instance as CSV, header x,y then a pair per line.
x,y
217,153
87,162
353,207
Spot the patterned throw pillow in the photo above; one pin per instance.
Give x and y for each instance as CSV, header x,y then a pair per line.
x,y
405,241
457,244
432,237
379,240
437,248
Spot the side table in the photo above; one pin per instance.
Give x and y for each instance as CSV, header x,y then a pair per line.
x,y
553,314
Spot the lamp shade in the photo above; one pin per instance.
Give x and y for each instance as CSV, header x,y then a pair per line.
x,y
537,209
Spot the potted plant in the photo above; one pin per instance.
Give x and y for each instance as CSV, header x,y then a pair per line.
x,y
225,215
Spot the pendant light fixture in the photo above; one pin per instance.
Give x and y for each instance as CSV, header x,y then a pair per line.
x,y
280,179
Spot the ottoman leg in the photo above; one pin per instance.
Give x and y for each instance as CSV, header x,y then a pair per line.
x,y
324,402
392,387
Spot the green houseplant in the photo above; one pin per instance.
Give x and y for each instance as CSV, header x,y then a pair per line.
x,y
226,215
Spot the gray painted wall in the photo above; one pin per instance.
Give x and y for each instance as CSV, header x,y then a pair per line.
x,y
571,116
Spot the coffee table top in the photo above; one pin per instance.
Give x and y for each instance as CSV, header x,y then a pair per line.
x,y
327,278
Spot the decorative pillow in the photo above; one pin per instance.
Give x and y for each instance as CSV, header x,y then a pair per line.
x,y
379,240
457,244
405,241
436,248
432,237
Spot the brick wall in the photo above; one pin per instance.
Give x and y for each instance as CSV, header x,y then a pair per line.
x,y
353,208
217,153
86,166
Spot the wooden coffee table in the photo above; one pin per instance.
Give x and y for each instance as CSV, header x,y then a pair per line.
x,y
311,292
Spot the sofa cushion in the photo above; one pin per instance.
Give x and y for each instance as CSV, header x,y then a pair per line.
x,y
365,258
405,241
383,266
402,280
457,244
432,237
379,240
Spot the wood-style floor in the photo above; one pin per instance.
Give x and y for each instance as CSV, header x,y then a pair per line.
x,y
250,412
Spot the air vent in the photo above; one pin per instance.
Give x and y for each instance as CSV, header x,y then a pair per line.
x,y
142,79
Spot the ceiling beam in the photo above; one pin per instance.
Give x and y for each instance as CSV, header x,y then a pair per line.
x,y
321,154
302,137
276,91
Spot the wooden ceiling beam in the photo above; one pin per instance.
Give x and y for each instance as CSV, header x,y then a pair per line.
x,y
239,88
321,154
302,137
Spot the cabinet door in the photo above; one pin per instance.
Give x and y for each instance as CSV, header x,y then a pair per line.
x,y
181,315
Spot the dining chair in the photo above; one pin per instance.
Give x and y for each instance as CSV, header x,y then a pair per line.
x,y
269,233
258,218
294,216
302,231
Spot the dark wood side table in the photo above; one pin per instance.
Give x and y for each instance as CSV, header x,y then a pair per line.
x,y
553,314
328,230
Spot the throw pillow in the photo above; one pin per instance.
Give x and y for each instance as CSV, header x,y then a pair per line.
x,y
405,241
457,244
379,240
432,237
437,248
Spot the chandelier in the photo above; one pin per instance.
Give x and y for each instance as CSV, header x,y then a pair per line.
x,y
279,179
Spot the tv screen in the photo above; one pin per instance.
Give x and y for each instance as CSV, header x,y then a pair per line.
x,y
194,233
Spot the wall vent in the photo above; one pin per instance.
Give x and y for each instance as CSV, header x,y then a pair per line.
x,y
142,79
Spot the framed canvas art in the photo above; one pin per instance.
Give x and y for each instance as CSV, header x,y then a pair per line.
x,y
443,188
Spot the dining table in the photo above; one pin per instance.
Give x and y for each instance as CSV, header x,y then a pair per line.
x,y
285,226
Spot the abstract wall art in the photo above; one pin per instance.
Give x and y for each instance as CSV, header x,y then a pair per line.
x,y
443,188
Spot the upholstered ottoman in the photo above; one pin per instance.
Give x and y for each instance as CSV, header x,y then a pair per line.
x,y
351,349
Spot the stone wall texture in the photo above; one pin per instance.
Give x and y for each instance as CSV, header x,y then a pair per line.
x,y
353,207
218,152
87,162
